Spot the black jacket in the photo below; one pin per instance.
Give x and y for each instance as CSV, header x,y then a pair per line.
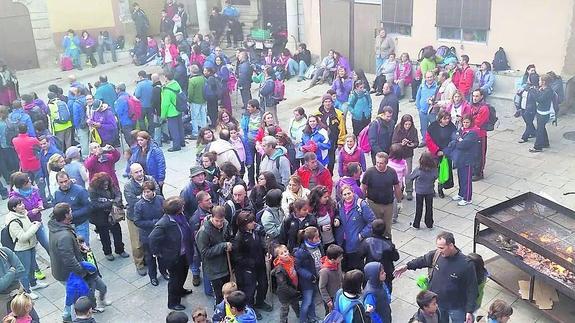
x,y
102,202
166,240
282,285
382,250
303,56
454,280
65,254
420,318
157,98
249,249
233,209
392,101
290,228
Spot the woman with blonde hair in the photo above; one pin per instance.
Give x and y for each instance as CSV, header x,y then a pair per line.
x,y
21,310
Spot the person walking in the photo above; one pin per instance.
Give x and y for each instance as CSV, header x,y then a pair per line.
x,y
171,241
380,185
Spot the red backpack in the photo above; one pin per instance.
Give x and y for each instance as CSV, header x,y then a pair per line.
x,y
134,108
363,138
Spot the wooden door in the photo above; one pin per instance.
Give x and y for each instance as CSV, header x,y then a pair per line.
x,y
17,46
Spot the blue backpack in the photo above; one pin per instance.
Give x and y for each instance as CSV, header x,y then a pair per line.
x,y
337,315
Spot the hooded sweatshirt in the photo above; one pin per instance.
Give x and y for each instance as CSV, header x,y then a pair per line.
x,y
249,316
376,294
330,279
271,163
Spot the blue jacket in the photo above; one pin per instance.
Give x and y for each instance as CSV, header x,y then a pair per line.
x,y
144,92
67,41
305,267
146,214
424,92
376,293
78,109
20,116
76,285
44,157
465,152
360,105
107,93
122,108
245,72
155,161
79,201
357,221
189,195
488,81
380,134
322,141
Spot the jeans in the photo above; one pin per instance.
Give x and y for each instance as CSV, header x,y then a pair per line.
x,y
84,140
127,132
541,138
425,119
36,177
246,94
42,236
107,44
464,173
83,230
456,316
176,129
67,312
296,68
307,308
27,258
530,130
65,137
217,285
212,109
252,281
104,232
147,116
96,283
199,117
195,266
378,62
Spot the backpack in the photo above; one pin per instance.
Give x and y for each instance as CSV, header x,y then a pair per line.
x,y
181,101
363,138
490,124
11,130
500,62
213,90
443,51
279,91
134,108
5,237
337,315
232,82
425,51
64,114
37,114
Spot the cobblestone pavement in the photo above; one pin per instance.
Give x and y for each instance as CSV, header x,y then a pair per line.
x,y
510,170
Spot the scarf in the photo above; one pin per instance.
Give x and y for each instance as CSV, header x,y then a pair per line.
x,y
325,209
350,150
328,263
25,192
227,186
289,266
347,206
186,232
311,245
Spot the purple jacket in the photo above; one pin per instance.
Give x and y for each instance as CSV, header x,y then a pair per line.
x,y
347,181
343,62
109,127
31,202
88,42
342,89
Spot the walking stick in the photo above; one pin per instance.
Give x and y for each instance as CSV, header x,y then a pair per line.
x,y
232,274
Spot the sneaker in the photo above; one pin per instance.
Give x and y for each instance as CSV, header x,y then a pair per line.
x,y
196,280
124,254
142,271
104,302
33,296
457,198
463,203
39,285
259,316
166,276
154,281
110,257
394,221
38,274
98,309
535,150
409,196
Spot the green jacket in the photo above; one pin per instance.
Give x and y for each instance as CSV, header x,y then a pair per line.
x,y
57,126
196,89
168,109
428,64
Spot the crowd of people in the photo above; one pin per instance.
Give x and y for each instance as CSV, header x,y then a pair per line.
x,y
263,206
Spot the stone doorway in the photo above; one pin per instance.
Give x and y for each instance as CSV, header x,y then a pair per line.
x,y
18,47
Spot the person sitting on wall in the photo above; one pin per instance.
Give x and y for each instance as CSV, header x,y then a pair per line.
x,y
106,42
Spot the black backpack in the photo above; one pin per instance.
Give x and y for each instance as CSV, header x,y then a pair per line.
x,y
500,62
5,237
11,130
490,124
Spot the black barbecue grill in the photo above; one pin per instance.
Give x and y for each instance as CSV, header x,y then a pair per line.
x,y
544,228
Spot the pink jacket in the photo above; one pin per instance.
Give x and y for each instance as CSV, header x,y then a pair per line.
x,y
405,73
400,167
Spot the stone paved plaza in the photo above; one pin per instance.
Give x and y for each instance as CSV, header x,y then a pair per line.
x,y
510,170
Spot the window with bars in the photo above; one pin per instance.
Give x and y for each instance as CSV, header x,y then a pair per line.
x,y
463,20
397,16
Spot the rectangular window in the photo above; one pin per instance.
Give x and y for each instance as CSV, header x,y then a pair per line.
x,y
397,16
463,20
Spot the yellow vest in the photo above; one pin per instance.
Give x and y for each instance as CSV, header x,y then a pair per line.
x,y
54,115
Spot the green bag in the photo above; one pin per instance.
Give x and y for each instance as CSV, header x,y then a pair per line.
x,y
443,175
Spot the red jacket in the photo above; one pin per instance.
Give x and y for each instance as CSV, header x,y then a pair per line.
x,y
480,112
25,146
323,177
94,166
261,133
463,79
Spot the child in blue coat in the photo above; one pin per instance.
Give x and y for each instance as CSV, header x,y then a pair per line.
x,y
307,265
